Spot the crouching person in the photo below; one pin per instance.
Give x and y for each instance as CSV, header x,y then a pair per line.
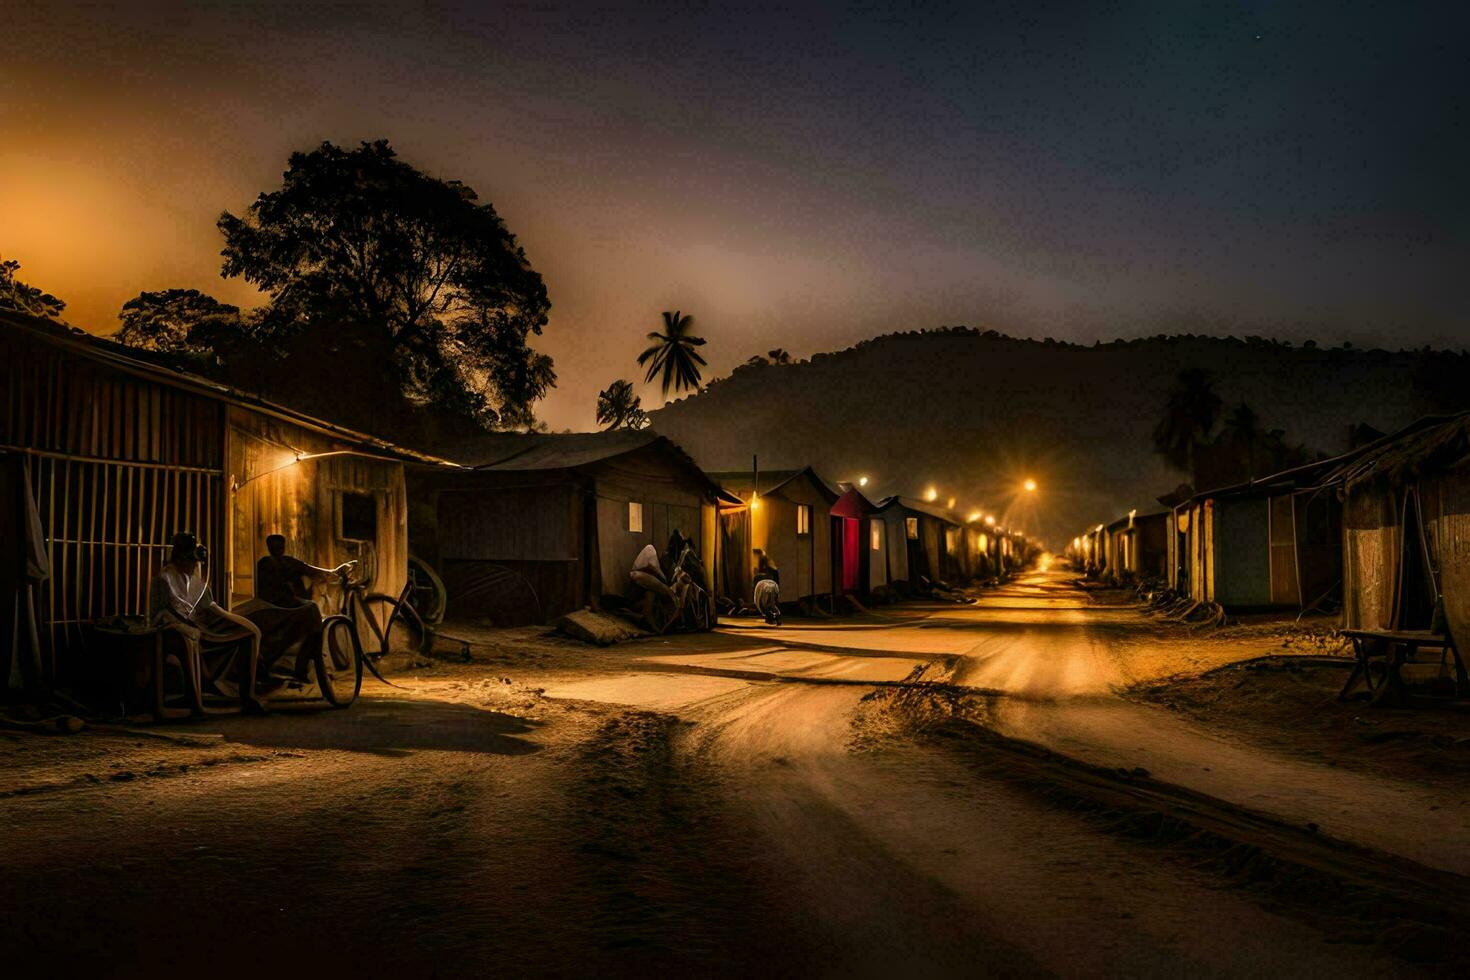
x,y
767,588
180,597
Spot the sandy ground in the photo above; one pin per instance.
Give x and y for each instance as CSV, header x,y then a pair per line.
x,y
792,802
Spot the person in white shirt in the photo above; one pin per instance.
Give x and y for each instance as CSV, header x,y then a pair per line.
x,y
181,597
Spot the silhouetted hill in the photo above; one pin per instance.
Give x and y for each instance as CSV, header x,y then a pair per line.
x,y
975,413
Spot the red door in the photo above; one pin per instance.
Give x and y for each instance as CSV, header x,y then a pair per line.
x,y
851,542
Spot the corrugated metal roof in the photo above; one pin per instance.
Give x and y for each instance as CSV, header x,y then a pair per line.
x,y
125,359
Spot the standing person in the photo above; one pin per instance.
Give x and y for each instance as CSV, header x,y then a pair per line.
x,y
180,596
289,617
767,588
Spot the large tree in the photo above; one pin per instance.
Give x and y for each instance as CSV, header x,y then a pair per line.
x,y
368,259
619,408
176,320
672,354
20,297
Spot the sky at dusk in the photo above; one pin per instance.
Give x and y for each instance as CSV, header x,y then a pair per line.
x,y
801,177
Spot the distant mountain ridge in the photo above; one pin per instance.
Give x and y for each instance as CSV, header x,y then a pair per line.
x,y
973,413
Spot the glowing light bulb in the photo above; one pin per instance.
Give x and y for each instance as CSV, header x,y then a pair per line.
x,y
1030,486
931,495
862,481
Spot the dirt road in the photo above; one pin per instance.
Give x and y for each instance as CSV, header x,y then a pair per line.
x,y
793,802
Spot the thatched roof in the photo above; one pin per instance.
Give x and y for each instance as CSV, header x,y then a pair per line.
x,y
500,452
1428,446
546,450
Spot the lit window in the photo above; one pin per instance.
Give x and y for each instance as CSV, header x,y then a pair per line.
x,y
984,543
803,519
875,533
635,516
911,525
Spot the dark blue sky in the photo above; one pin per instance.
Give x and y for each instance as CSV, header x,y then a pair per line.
x,y
797,178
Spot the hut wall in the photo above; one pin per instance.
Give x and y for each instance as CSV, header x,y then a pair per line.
x,y
1242,552
931,542
735,560
331,510
1200,551
1318,522
670,499
875,540
1371,542
794,554
1152,545
117,463
896,546
512,545
1445,501
805,560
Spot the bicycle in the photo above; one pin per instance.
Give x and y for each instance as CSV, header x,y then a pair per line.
x,y
383,614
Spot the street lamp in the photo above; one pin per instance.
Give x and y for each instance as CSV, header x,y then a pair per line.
x,y
862,481
1030,485
990,519
931,495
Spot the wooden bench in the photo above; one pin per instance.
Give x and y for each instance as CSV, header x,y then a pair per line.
x,y
1380,654
138,657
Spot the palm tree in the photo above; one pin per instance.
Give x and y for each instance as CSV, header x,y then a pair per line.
x,y
1189,417
672,354
1242,433
618,407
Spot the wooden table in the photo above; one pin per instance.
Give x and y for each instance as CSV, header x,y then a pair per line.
x,y
1395,648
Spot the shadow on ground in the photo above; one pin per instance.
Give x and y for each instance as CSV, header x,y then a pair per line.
x,y
383,726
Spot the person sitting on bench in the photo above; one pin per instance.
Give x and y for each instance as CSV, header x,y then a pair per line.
x,y
180,597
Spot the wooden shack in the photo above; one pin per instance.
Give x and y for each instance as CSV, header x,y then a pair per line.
x,y
859,565
1406,529
1136,546
123,451
787,514
539,525
1270,543
932,541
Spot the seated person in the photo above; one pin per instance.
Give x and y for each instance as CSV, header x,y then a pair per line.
x,y
180,597
289,618
278,576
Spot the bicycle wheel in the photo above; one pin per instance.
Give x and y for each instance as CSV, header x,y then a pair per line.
x,y
395,626
428,594
339,662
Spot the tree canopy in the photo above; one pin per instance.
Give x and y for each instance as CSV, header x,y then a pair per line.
x,y
175,320
619,408
358,249
23,298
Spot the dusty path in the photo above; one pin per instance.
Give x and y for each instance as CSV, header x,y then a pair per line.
x,y
725,805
